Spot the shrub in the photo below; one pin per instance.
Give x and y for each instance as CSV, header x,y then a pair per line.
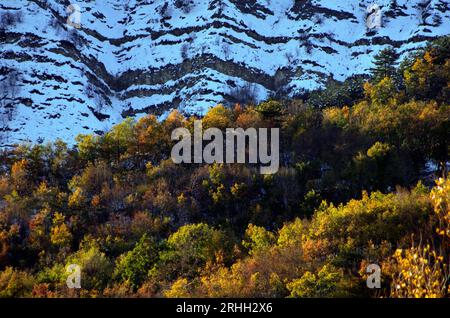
x,y
292,234
271,108
190,248
179,289
96,268
323,284
440,196
15,283
257,238
217,117
378,217
250,118
133,266
419,273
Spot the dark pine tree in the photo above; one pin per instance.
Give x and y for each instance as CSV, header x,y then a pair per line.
x,y
385,64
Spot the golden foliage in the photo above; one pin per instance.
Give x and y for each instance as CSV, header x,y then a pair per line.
x,y
440,196
217,117
60,234
179,289
420,273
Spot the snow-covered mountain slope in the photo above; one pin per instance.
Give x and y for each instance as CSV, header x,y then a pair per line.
x,y
132,57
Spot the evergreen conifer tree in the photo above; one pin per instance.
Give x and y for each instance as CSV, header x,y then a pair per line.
x,y
384,62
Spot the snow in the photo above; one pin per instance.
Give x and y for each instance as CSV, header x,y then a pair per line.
x,y
125,36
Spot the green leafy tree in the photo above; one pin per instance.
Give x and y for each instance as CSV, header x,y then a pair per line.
x,y
270,109
133,267
88,147
382,92
257,238
121,137
190,248
96,269
323,284
15,283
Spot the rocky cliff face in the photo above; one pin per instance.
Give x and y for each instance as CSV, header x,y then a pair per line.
x,y
131,57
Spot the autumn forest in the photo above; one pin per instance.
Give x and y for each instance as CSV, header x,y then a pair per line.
x,y
363,180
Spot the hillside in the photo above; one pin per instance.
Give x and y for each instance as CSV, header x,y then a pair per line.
x,y
130,58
